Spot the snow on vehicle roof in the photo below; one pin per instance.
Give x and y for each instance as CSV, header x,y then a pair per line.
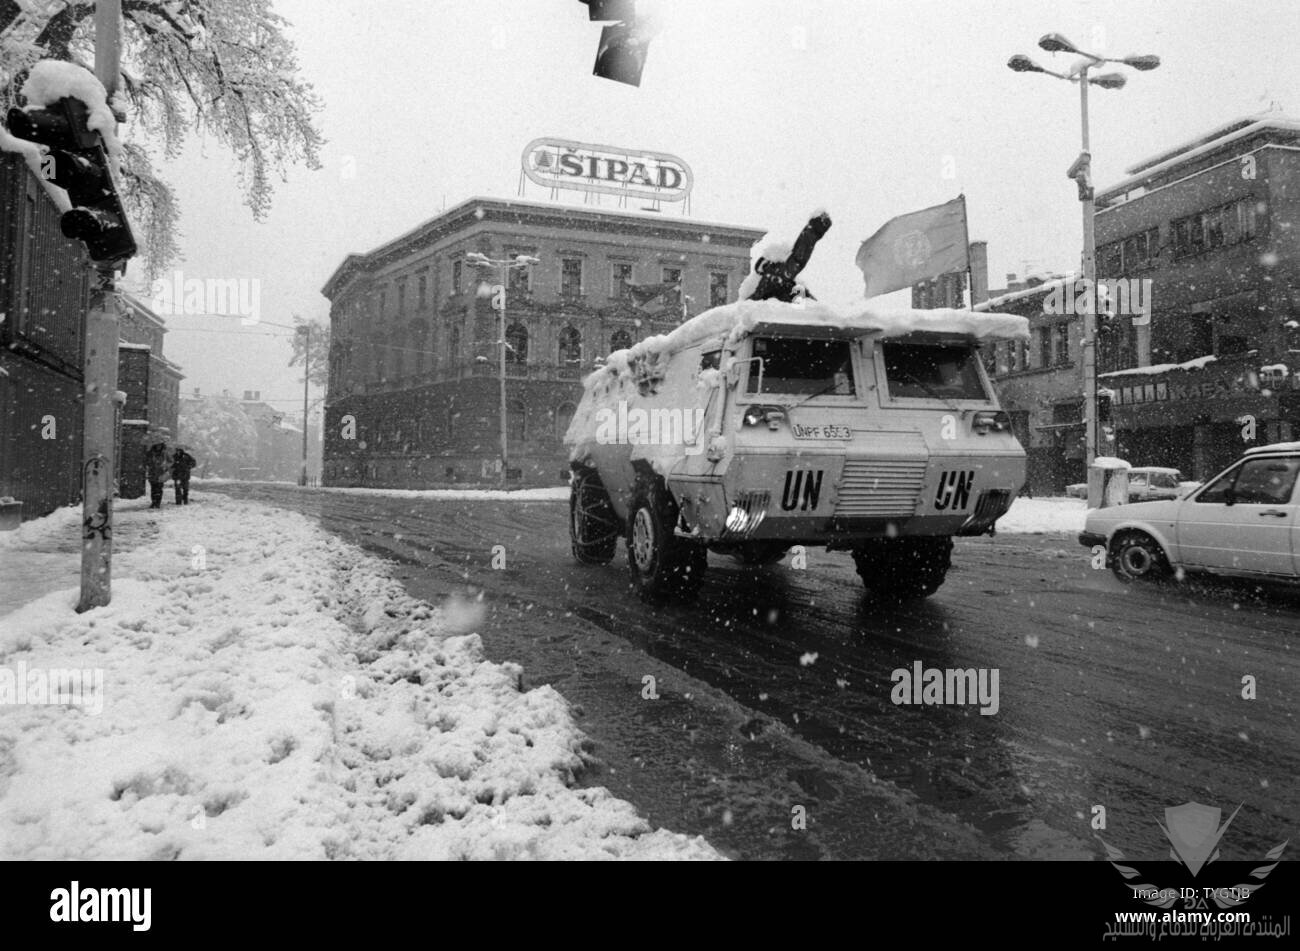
x,y
1110,462
730,322
1276,447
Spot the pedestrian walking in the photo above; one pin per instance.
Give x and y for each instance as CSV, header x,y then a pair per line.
x,y
157,466
182,464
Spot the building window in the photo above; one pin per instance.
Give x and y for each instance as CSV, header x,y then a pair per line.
x,y
517,344
1044,347
422,291
571,277
520,280
456,269
620,340
1218,227
563,417
1062,344
516,419
620,278
401,298
454,346
383,304
1022,355
718,290
451,423
671,275
570,347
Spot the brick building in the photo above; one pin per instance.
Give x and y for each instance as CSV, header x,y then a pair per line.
x,y
1214,224
44,289
414,354
151,383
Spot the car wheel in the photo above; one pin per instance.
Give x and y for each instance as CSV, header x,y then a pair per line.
x,y
1136,556
593,526
897,570
661,564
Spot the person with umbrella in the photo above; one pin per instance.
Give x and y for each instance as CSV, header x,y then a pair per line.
x,y
157,466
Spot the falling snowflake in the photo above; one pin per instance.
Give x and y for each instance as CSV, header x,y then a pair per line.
x,y
1144,732
807,660
1031,640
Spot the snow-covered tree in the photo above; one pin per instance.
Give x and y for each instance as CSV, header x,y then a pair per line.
x,y
224,68
220,434
318,360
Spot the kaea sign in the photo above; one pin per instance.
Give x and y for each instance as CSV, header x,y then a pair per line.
x,y
561,163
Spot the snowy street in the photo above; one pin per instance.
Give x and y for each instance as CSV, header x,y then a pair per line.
x,y
773,690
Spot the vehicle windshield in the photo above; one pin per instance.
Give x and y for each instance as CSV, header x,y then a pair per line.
x,y
800,367
933,371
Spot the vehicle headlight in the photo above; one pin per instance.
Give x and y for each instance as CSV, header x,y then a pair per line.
x,y
772,415
996,420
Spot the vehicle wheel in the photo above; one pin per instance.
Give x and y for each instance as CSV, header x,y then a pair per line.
x,y
1136,556
662,566
593,526
757,554
904,569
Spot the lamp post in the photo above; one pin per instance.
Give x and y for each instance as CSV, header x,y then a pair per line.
x,y
504,265
1081,172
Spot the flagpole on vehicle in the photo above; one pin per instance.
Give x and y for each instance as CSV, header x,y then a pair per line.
x,y
970,278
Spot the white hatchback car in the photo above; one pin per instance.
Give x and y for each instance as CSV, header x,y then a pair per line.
x,y
1243,522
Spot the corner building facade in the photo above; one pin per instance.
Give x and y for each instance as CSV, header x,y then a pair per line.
x,y
413,398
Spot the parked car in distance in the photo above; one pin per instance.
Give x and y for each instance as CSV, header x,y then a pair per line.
x,y
1144,484
1245,522
1147,483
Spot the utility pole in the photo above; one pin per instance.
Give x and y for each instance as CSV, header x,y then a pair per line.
x,y
306,376
100,371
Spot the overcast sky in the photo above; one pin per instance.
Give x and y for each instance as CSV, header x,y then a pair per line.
x,y
869,108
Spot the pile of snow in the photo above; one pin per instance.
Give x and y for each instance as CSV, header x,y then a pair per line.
x,y
1197,364
1043,516
1110,462
263,690
51,80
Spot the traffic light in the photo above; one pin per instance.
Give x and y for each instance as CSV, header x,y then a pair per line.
x,y
621,54
77,163
623,44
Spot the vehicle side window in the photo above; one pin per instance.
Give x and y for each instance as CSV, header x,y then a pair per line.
x,y
1137,480
1266,481
1164,480
1217,491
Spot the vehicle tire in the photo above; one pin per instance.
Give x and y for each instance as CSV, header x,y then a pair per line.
x,y
1136,556
896,570
757,554
593,526
662,565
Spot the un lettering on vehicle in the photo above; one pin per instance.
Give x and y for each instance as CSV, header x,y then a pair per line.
x,y
803,489
954,489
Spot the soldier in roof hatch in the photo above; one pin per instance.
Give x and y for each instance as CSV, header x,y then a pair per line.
x,y
777,278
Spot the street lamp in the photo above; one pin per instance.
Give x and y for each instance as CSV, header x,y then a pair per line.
x,y
504,265
1081,172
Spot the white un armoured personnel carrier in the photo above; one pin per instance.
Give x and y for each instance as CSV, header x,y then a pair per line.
x,y
761,425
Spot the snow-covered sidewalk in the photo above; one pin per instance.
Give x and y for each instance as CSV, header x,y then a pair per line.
x,y
1043,516
268,691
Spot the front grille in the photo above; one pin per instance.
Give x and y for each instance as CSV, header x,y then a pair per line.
x,y
877,488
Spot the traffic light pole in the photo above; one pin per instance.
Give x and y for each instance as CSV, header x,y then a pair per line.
x,y
98,437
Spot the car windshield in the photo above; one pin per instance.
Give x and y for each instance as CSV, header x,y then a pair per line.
x,y
790,365
932,371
